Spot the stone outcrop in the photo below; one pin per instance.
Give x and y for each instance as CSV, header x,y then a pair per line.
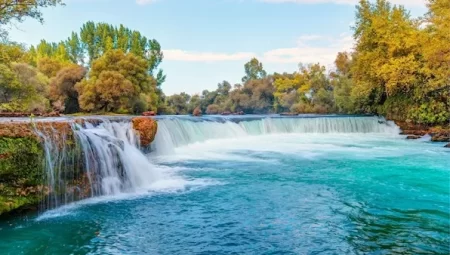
x,y
146,129
440,137
415,131
413,137
197,112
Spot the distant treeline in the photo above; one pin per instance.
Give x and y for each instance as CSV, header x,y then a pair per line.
x,y
399,67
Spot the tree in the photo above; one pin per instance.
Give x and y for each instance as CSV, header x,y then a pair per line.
x,y
114,91
50,66
75,49
14,10
194,102
387,55
9,86
62,88
12,52
23,88
253,70
104,76
179,103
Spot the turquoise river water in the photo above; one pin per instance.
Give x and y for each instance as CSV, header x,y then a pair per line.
x,y
343,185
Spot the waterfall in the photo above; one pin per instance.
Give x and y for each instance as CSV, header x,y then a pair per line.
x,y
90,158
175,132
100,159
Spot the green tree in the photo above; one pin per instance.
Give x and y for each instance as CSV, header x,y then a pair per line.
x,y
253,70
23,88
179,102
74,48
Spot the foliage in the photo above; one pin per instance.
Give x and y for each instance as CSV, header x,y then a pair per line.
x,y
253,70
212,109
399,67
23,88
304,91
21,167
17,11
118,82
430,113
62,88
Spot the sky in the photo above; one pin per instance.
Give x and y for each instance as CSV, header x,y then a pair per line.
x,y
208,41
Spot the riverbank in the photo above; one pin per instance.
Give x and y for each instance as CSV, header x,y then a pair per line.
x,y
416,131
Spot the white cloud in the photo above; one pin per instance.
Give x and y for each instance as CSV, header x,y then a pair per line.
x,y
192,56
353,2
309,49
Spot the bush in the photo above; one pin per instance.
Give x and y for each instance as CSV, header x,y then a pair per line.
x,y
301,108
430,113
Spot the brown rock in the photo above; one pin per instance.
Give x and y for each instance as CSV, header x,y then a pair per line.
x,y
447,146
197,112
146,129
440,137
413,137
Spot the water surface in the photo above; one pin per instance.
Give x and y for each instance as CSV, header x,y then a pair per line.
x,y
262,193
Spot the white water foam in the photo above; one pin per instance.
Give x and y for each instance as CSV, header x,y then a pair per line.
x,y
176,132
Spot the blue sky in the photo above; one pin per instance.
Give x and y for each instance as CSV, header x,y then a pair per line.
x,y
208,41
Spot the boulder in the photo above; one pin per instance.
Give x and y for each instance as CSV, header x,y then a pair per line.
x,y
413,137
440,137
197,112
146,129
447,146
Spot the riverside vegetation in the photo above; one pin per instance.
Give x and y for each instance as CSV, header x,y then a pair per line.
x,y
399,68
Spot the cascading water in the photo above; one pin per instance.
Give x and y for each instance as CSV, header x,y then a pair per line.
x,y
103,157
105,160
113,159
251,184
175,132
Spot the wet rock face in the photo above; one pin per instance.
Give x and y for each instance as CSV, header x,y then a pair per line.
x,y
22,169
413,137
146,128
415,131
21,172
441,137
